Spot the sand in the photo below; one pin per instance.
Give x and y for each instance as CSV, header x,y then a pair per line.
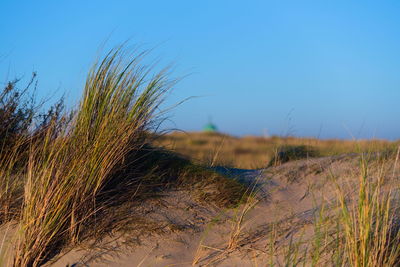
x,y
176,230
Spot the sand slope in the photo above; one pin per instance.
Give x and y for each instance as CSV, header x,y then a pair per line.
x,y
182,232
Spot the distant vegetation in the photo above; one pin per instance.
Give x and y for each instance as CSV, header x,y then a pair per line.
x,y
251,152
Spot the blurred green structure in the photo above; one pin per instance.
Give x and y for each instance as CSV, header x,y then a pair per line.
x,y
210,127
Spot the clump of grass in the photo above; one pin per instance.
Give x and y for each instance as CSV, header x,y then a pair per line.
x,y
67,174
17,111
11,189
288,153
20,124
370,236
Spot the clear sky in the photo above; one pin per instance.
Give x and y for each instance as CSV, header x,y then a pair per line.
x,y
327,69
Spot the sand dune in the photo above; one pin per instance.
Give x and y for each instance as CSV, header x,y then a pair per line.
x,y
176,230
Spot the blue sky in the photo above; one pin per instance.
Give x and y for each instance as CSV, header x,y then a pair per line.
x,y
328,69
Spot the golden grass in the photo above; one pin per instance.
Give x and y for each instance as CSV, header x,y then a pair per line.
x,y
251,152
66,174
11,182
371,236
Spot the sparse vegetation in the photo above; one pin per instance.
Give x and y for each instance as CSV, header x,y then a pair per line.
x,y
370,232
252,152
356,226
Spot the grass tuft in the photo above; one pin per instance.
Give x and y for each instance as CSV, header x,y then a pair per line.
x,y
67,174
370,232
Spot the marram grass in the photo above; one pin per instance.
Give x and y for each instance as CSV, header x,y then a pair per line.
x,y
370,231
66,174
